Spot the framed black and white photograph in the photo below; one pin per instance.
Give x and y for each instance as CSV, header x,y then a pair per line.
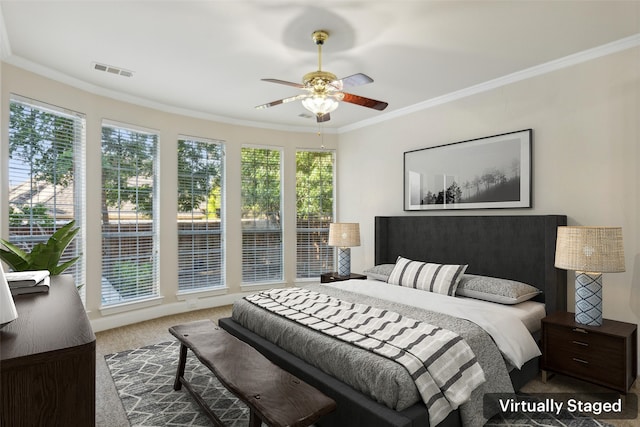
x,y
482,173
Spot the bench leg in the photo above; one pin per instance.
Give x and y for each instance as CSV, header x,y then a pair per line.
x,y
254,419
180,381
177,384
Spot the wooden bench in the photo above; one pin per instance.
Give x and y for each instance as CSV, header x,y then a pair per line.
x,y
273,395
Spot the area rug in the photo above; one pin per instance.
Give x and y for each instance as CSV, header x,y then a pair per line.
x,y
144,379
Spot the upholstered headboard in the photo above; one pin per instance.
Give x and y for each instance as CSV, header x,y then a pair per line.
x,y
511,247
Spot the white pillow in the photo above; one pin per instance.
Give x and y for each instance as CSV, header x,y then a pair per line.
x,y
438,278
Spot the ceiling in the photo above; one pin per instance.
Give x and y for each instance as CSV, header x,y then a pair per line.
x,y
206,58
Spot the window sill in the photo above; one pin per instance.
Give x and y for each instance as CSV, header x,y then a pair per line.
x,y
201,293
131,305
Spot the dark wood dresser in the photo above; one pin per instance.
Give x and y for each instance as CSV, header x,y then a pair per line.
x,y
48,360
606,355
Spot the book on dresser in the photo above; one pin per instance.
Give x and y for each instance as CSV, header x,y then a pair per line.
x,y
41,286
26,282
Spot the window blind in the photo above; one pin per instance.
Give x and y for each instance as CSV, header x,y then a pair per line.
x,y
129,229
261,215
46,176
314,212
200,211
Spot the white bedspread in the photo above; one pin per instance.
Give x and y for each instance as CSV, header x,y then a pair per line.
x,y
509,333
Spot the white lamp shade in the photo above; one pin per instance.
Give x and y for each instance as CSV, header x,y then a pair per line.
x,y
8,312
590,249
344,234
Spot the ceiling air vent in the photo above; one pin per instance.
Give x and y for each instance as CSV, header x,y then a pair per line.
x,y
112,70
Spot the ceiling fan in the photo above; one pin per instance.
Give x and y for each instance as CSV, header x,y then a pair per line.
x,y
323,90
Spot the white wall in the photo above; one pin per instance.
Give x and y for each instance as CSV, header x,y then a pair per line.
x,y
96,108
586,156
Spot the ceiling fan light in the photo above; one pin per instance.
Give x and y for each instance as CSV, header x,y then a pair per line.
x,y
320,104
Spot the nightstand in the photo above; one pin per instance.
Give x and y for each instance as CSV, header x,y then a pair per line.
x,y
605,355
334,277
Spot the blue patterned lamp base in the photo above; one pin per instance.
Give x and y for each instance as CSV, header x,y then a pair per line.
x,y
589,299
344,261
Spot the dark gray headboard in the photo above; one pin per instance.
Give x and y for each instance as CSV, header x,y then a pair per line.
x,y
511,247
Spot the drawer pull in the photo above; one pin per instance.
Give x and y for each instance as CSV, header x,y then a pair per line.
x,y
584,344
575,359
582,331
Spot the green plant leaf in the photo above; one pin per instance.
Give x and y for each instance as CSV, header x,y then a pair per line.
x,y
15,262
18,259
43,256
63,236
62,267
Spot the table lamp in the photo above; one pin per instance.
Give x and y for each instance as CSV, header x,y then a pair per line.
x,y
589,251
344,235
8,312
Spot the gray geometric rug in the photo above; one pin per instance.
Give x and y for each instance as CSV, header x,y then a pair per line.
x,y
144,378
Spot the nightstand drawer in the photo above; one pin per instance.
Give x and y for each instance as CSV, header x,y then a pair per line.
x,y
586,342
585,366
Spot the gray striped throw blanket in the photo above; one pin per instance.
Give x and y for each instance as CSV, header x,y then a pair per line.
x,y
442,365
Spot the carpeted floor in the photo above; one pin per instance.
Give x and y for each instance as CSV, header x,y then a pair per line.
x,y
157,364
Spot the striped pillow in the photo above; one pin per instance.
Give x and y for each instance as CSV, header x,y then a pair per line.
x,y
438,278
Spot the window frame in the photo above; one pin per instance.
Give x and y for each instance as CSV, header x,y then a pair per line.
x,y
78,244
222,227
311,274
114,306
282,259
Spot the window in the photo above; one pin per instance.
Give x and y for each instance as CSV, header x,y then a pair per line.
x,y
129,230
200,210
261,215
314,207
46,176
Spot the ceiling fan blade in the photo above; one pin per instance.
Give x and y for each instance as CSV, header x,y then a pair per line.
x,y
365,102
283,82
282,101
355,80
323,118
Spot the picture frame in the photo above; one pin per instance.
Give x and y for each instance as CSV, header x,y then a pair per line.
x,y
483,173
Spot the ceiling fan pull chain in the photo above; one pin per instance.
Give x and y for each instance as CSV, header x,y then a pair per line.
x,y
321,135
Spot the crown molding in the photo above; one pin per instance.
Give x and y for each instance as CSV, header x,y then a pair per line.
x,y
538,70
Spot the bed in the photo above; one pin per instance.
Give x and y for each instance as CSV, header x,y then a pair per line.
x,y
519,248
